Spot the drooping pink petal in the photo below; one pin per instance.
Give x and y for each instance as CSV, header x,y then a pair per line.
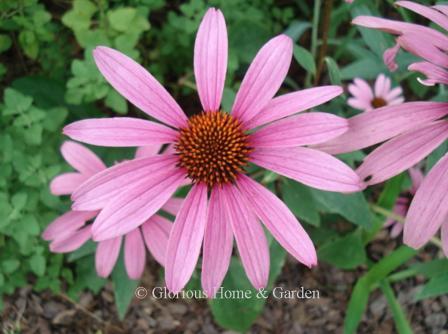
x,y
311,167
72,242
210,59
306,129
65,184
434,74
218,244
67,224
367,129
138,86
101,188
106,256
128,211
120,132
412,42
444,237
250,238
81,158
173,205
279,220
389,57
147,151
292,103
429,208
156,231
402,152
441,8
185,239
263,78
134,254
425,11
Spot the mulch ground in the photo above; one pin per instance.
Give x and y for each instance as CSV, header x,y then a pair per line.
x,y
30,312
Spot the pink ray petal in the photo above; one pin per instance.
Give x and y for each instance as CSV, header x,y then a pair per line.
x,y
444,236
429,208
389,57
72,242
185,239
250,238
156,231
65,184
394,93
106,256
173,205
428,51
120,132
147,151
442,8
416,178
428,12
362,92
311,167
279,220
380,85
367,129
434,74
359,104
402,152
138,86
218,244
263,78
101,188
210,59
128,211
305,129
134,254
66,224
81,158
292,103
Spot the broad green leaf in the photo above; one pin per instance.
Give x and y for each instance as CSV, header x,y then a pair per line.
x,y
296,29
5,42
124,287
346,252
436,286
300,201
121,19
38,264
29,43
305,59
333,71
8,266
353,207
116,102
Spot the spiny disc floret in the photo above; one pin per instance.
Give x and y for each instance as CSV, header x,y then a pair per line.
x,y
213,148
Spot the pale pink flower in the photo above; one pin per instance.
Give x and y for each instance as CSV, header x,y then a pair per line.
x,y
401,206
411,131
365,98
212,149
70,231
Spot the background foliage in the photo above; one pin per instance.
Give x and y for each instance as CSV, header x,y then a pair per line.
x,y
48,79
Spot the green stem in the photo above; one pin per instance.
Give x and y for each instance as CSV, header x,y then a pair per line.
x,y
314,34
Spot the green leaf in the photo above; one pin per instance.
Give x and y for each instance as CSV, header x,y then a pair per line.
x,y
121,19
79,17
437,286
9,266
305,59
346,252
29,43
353,207
333,71
38,264
116,102
296,29
300,201
5,42
124,288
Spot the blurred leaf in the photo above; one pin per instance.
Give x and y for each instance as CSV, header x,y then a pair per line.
x,y
333,71
436,286
401,323
5,42
116,102
305,59
38,264
346,252
296,29
300,201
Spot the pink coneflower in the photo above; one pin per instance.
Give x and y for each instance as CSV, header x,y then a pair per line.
x,y
412,130
401,206
70,231
212,149
365,98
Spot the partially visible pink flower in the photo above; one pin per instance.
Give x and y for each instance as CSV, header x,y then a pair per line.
x,y
365,98
70,231
411,131
389,57
212,149
402,204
